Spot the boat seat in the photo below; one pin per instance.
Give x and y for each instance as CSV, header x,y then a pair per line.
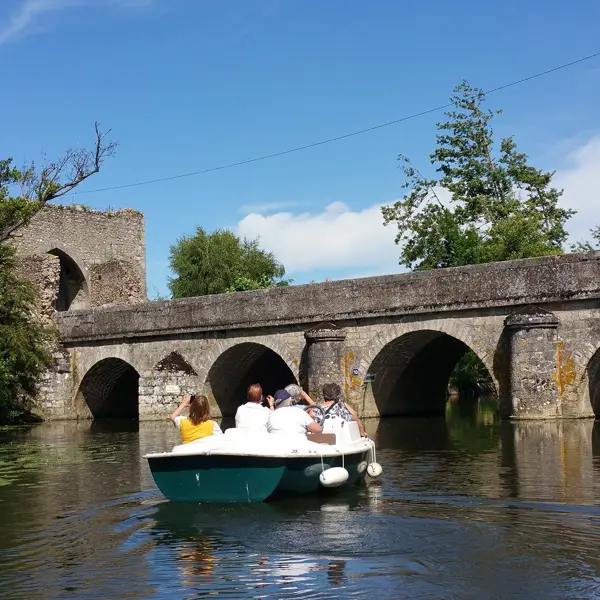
x,y
321,438
348,434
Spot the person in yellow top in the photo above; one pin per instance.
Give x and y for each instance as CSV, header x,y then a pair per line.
x,y
198,423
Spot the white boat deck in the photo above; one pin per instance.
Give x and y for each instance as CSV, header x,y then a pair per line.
x,y
248,442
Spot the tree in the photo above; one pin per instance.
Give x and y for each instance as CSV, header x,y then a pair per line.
x,y
53,180
220,262
487,204
25,343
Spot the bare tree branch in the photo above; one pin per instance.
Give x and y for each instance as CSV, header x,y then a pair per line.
x,y
54,180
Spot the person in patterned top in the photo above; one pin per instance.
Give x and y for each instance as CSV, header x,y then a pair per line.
x,y
337,412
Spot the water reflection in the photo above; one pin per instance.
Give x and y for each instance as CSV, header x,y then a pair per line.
x,y
468,507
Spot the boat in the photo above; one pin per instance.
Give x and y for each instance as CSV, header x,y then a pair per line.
x,y
253,466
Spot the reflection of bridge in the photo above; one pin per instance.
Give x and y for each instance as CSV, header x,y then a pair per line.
x,y
534,323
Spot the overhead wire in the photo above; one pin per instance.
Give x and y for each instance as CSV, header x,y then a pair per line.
x,y
336,138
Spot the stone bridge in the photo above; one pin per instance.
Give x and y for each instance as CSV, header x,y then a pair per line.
x,y
391,342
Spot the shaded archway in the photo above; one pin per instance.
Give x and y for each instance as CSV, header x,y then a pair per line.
x,y
110,390
593,382
242,365
411,373
72,287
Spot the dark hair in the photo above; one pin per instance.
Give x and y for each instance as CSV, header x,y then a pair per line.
x,y
254,393
199,409
331,391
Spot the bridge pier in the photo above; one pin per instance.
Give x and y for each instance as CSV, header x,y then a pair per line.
x,y
533,347
324,357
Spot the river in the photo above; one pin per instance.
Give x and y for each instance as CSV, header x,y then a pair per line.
x,y
468,508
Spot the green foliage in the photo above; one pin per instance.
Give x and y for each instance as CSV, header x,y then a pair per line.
x,y
220,262
23,192
499,207
486,203
588,246
470,375
24,343
14,209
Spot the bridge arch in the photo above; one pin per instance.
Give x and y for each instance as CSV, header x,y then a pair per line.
x,y
73,287
591,383
412,364
109,389
243,363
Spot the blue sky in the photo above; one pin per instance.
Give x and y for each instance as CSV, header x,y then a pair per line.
x,y
192,84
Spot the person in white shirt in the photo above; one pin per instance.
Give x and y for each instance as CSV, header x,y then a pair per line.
x,y
291,420
253,415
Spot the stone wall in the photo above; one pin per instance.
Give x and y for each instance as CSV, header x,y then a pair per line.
x,y
391,343
44,273
413,355
102,253
504,285
114,282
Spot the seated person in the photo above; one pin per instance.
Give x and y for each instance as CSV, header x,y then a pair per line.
x,y
298,395
338,412
290,420
198,424
253,415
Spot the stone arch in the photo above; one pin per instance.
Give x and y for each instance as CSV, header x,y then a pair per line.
x,y
73,287
109,389
412,363
591,384
240,364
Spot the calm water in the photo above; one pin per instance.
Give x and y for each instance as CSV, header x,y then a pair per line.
x,y
467,508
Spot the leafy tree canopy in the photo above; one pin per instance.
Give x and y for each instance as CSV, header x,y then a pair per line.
x,y
220,262
487,203
24,342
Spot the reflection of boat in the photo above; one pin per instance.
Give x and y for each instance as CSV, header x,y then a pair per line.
x,y
245,466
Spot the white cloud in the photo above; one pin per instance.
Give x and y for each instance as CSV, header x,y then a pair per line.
x,y
29,12
581,183
358,244
268,207
337,238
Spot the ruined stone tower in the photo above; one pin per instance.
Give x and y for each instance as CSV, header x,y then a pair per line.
x,y
81,258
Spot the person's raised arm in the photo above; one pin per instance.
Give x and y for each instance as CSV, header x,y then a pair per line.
x,y
307,398
360,425
185,402
271,402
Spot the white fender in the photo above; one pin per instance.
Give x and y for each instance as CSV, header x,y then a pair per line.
x,y
333,477
374,469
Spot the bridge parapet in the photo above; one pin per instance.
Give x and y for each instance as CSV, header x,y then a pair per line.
x,y
545,280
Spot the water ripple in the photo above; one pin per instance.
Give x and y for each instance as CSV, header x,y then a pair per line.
x,y
81,519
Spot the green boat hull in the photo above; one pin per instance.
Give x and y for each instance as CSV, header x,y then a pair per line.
x,y
232,478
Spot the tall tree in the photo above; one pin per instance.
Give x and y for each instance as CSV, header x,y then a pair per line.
x,y
487,203
220,262
25,344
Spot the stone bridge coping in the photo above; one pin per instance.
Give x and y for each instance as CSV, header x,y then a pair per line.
x,y
543,280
